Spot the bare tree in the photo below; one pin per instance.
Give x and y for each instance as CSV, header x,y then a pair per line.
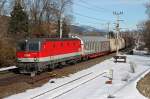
x,y
146,28
63,6
146,34
44,15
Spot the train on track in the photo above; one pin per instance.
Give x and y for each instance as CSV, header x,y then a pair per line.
x,y
39,54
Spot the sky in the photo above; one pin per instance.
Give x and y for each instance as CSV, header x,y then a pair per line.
x,y
97,13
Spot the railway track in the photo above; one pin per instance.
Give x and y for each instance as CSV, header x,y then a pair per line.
x,y
15,78
12,80
75,83
51,96
18,78
61,85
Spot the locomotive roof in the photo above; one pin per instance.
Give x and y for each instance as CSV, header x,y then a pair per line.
x,y
51,39
94,38
84,38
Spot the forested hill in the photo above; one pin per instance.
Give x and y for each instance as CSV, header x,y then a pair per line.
x,y
87,30
82,30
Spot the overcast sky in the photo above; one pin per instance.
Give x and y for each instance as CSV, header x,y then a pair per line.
x,y
97,13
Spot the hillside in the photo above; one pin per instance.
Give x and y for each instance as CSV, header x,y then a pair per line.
x,y
87,30
83,30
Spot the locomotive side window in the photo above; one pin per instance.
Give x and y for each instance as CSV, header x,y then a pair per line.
x,y
21,46
33,46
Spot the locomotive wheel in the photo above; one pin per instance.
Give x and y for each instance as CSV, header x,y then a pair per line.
x,y
73,62
51,67
59,66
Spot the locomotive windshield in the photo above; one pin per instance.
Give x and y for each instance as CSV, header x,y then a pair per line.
x,y
29,46
34,46
21,46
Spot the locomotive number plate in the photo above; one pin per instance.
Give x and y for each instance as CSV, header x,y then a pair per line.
x,y
26,55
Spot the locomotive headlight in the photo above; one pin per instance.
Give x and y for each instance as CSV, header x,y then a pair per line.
x,y
36,60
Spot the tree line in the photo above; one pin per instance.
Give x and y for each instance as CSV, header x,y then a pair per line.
x,y
21,19
30,18
144,28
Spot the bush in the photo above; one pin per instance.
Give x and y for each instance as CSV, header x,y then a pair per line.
x,y
7,52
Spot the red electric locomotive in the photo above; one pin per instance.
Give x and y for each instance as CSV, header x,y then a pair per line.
x,y
36,55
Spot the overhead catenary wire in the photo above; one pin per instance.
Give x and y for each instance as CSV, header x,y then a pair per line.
x,y
97,19
126,25
89,8
95,6
98,10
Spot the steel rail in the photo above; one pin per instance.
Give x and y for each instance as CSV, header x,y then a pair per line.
x,y
60,86
78,85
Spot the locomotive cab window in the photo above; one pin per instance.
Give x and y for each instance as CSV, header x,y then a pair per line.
x,y
34,46
21,46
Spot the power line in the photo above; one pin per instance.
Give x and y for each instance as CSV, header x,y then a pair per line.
x,y
95,6
95,19
124,22
92,9
90,17
84,4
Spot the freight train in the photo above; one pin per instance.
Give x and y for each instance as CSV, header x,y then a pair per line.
x,y
39,54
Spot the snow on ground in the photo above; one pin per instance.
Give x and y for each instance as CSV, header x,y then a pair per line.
x,y
7,68
92,86
130,92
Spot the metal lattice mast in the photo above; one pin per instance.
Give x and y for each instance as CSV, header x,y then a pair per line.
x,y
117,29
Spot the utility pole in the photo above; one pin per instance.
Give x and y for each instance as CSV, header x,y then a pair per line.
x,y
117,29
138,34
108,28
61,20
60,27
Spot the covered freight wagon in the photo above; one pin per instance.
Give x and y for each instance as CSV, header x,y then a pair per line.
x,y
95,46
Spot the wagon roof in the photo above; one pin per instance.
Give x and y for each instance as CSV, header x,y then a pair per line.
x,y
94,38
